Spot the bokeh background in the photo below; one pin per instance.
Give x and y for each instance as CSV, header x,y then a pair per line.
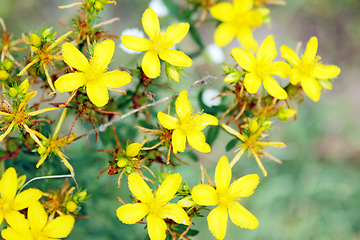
x,y
314,194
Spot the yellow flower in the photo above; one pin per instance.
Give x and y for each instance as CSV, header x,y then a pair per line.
x,y
308,70
226,197
238,20
159,44
252,144
11,203
20,116
154,206
92,73
187,125
261,68
39,227
54,145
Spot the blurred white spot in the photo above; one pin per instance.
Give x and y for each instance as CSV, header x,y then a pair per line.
x,y
135,32
208,95
159,8
215,52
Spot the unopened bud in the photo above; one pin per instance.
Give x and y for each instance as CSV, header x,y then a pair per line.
x,y
266,124
45,33
13,92
41,150
24,86
173,73
133,149
98,6
285,114
253,126
21,181
325,84
35,40
8,65
82,195
186,202
71,206
121,163
4,75
232,77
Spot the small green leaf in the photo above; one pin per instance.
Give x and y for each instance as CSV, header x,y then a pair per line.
x,y
231,144
212,134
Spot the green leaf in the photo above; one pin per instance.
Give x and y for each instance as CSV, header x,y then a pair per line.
x,y
182,228
193,156
212,134
231,144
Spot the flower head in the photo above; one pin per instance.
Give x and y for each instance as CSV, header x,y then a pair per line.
x,y
261,68
11,203
238,20
308,70
155,207
39,227
226,197
91,74
187,126
159,45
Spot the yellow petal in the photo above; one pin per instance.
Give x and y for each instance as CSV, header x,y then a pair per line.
x,y
176,213
311,49
26,198
8,185
252,82
244,186
245,37
281,69
203,120
8,130
225,33
70,82
217,220
325,72
138,44
253,19
139,188
103,54
175,33
178,140
196,140
311,87
97,93
11,234
133,149
16,220
34,113
267,50
176,58
150,22
295,76
242,217
74,58
132,213
167,121
243,6
115,79
244,58
222,175
273,88
289,55
223,11
60,227
205,195
168,188
156,227
182,105
151,64
234,132
37,217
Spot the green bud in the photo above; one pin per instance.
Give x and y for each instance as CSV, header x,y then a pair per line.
x,y
21,181
98,6
24,86
121,163
186,202
226,69
82,195
128,169
8,65
41,150
232,77
35,40
253,126
173,73
285,114
71,206
45,33
266,124
325,84
13,92
4,75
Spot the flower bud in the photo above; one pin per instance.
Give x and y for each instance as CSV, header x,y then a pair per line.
x,y
133,149
24,86
285,114
4,75
173,73
35,40
82,195
98,6
121,163
71,206
253,126
13,92
8,65
266,124
325,84
186,202
45,33
41,150
21,181
232,77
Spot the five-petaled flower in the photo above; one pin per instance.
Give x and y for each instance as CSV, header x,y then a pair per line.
x,y
226,197
308,70
159,45
92,73
261,68
39,227
187,125
155,206
11,203
238,20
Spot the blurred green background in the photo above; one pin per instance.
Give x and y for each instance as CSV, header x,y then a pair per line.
x,y
314,194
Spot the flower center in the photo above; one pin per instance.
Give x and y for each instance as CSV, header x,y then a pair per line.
x,y
224,198
155,207
190,122
92,74
263,67
20,118
159,42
